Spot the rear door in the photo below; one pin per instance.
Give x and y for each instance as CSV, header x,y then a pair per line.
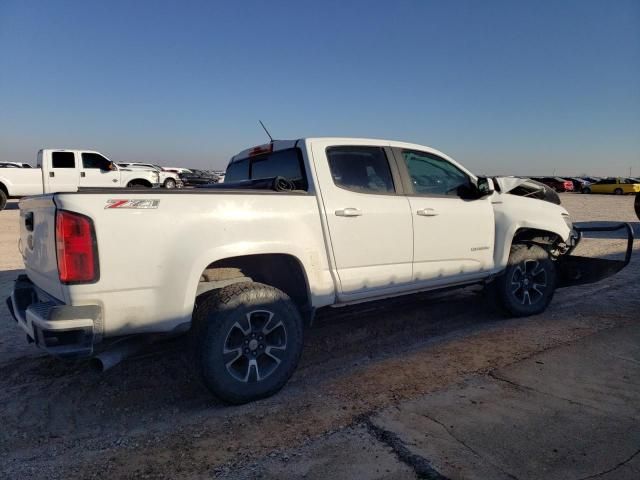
x,y
368,218
61,174
453,230
98,171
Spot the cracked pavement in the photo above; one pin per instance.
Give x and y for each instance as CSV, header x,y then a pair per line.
x,y
571,412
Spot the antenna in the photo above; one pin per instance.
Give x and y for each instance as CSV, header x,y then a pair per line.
x,y
267,131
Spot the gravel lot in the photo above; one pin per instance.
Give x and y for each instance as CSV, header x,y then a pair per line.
x,y
150,418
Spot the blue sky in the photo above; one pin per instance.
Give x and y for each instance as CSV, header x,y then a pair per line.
x,y
504,86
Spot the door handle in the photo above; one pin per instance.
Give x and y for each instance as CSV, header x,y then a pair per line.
x,y
427,212
82,174
348,212
52,174
114,180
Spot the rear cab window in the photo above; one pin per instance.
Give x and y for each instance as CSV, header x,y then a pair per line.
x,y
286,163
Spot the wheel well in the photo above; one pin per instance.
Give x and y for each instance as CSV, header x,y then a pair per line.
x,y
4,189
139,181
543,238
282,271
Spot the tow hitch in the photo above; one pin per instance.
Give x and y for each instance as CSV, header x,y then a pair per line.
x,y
577,270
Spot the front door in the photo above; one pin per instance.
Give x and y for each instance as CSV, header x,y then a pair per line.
x,y
453,229
369,223
98,171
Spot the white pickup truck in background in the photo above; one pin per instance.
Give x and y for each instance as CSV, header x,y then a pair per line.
x,y
167,179
297,225
68,171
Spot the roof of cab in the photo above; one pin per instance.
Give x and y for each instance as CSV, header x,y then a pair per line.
x,y
285,144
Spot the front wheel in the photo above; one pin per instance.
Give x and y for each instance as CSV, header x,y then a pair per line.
x,y
618,191
246,341
528,283
3,200
170,183
586,190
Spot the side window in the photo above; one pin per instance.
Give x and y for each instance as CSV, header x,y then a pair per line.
x,y
361,169
63,160
94,160
432,175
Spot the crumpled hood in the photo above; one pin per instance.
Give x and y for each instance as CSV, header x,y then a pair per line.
x,y
525,187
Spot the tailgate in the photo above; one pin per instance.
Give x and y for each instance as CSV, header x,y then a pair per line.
x,y
38,243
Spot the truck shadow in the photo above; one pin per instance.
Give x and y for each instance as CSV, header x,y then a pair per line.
x,y
62,398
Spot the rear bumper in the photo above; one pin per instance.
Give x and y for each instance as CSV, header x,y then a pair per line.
x,y
59,329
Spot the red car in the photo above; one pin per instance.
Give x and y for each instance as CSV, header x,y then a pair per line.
x,y
557,183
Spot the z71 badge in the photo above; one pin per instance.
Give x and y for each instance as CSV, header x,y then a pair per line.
x,y
139,204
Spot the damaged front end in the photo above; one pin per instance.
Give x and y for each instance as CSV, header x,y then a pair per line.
x,y
578,270
526,187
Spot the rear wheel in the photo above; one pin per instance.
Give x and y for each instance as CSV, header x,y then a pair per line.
x,y
636,205
618,191
586,190
528,283
246,341
3,200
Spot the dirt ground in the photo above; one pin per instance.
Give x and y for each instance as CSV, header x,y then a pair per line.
x,y
150,418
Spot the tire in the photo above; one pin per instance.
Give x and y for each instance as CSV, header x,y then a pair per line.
x,y
586,190
618,191
169,183
636,205
246,341
3,200
528,283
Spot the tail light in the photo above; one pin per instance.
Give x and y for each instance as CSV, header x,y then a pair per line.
x,y
76,248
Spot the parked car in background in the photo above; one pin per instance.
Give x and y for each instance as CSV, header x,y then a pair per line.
x,y
198,177
14,165
591,179
578,183
167,179
177,169
615,185
557,183
68,171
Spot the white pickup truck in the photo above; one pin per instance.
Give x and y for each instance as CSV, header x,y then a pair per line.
x,y
167,179
298,225
68,171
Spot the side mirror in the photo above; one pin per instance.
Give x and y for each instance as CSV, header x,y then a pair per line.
x,y
485,186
